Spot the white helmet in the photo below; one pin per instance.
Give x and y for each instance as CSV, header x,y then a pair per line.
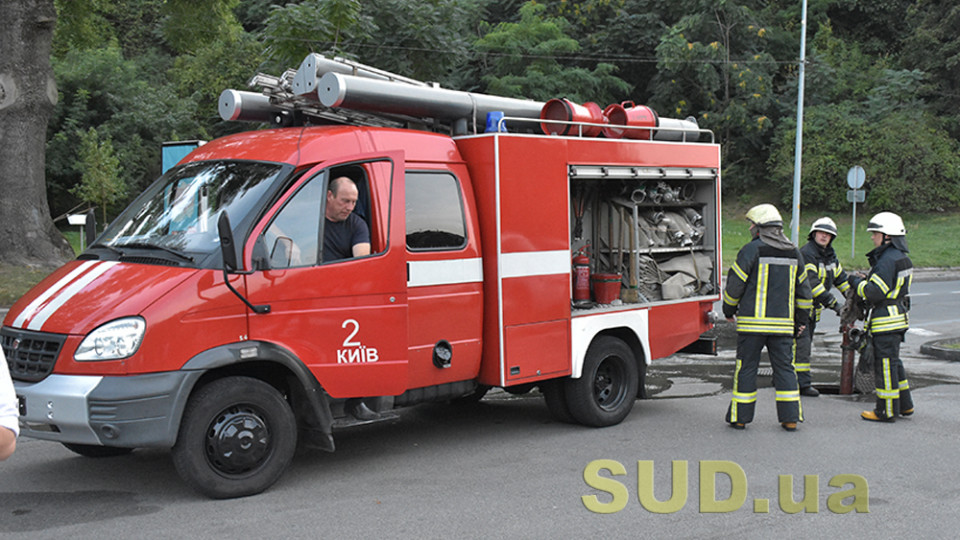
x,y
826,225
887,223
764,214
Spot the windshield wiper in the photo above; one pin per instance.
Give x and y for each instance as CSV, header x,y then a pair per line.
x,y
116,251
144,245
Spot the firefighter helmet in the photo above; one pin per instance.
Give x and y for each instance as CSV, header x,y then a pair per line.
x,y
826,225
764,214
887,223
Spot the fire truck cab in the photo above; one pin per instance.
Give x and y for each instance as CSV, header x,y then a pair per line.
x,y
208,317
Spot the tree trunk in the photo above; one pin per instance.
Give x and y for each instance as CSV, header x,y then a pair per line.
x,y
27,97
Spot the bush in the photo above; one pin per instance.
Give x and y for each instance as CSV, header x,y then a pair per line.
x,y
911,165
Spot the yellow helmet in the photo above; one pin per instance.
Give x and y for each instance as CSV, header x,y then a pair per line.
x,y
887,223
764,214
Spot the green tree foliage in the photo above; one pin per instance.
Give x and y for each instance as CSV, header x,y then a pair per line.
x,y
622,32
713,66
430,40
910,164
322,26
190,25
101,184
526,59
82,24
933,47
100,89
202,75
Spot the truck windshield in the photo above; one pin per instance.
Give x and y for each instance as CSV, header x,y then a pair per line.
x,y
177,215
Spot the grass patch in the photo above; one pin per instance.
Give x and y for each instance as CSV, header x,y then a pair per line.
x,y
15,281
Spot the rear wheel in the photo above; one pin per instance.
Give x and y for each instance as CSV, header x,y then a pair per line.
x,y
607,388
237,437
96,451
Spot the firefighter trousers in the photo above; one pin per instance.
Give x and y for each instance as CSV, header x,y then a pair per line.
x,y
781,351
893,390
804,352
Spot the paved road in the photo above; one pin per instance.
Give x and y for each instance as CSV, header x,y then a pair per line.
x,y
505,469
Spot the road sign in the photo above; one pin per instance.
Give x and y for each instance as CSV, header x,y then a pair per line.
x,y
855,178
854,195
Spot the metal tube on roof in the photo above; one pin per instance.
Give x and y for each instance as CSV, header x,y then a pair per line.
x,y
359,93
247,107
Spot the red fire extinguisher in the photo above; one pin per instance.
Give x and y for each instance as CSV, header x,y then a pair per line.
x,y
581,275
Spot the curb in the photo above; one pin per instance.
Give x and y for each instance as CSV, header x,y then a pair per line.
x,y
941,349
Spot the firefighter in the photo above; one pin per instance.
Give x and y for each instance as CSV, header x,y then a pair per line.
x,y
885,290
823,273
767,295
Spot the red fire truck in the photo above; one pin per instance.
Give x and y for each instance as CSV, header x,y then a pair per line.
x,y
207,319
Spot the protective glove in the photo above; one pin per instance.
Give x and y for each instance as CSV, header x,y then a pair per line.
x,y
837,307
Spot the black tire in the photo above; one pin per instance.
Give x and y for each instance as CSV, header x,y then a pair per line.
x,y
607,388
96,451
237,437
555,395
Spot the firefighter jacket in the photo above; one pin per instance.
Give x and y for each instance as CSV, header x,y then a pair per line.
x,y
886,289
824,272
767,290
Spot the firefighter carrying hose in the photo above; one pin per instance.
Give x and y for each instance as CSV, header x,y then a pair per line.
x,y
823,273
768,295
886,292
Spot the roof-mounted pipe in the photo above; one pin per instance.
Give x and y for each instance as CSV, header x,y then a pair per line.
x,y
365,94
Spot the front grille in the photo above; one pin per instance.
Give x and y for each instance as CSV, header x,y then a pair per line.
x,y
30,355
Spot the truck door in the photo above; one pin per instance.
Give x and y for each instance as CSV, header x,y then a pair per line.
x,y
445,279
345,319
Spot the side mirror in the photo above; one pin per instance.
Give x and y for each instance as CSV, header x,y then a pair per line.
x,y
227,249
229,253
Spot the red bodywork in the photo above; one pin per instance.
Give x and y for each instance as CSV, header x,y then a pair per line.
x,y
366,326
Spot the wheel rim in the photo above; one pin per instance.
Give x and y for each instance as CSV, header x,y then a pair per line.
x,y
238,440
609,383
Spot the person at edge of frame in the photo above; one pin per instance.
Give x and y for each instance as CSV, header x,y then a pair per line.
x,y
767,295
9,412
824,272
886,292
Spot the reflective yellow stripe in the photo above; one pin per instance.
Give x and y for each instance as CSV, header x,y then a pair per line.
x,y
788,395
739,272
727,299
876,280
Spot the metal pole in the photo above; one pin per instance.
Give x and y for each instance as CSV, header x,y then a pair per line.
x,y
795,218
853,232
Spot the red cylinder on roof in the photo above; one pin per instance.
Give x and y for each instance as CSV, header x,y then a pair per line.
x,y
564,110
634,116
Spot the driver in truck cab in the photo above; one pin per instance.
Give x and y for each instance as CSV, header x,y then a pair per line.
x,y
345,234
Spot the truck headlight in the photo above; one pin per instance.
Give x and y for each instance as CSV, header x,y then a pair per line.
x,y
112,341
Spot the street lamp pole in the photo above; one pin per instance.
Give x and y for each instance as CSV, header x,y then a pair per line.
x,y
798,151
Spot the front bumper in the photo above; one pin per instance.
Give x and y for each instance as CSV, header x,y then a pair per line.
x,y
130,412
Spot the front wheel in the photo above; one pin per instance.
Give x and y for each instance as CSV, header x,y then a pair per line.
x,y
607,388
237,436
